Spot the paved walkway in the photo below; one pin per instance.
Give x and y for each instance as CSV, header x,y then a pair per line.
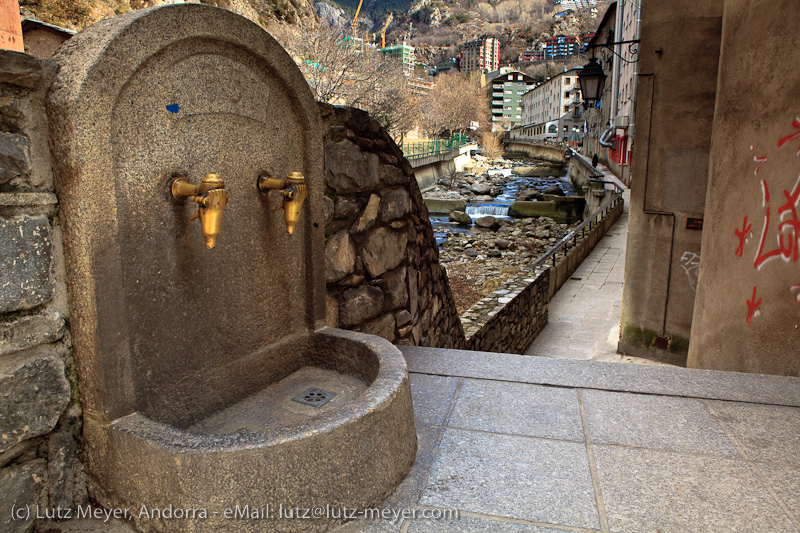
x,y
584,315
574,442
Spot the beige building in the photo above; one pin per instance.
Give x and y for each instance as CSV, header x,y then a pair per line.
x,y
610,126
552,109
712,276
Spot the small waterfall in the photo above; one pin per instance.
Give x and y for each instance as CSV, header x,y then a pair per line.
x,y
477,211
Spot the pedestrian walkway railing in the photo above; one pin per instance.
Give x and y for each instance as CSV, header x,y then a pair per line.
x,y
416,149
571,239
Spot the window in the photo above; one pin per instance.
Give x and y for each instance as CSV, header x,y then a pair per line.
x,y
566,94
552,129
566,109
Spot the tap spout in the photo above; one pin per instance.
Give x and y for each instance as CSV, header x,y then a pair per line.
x,y
211,198
293,190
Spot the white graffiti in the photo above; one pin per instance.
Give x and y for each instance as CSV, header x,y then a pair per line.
x,y
690,263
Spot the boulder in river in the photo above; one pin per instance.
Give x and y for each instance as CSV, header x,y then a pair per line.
x,y
488,222
461,218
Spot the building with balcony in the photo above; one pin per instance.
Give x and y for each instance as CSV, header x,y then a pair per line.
x,y
610,124
552,109
530,56
562,46
421,86
507,90
403,53
482,55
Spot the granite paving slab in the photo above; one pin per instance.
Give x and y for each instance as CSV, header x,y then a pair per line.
x,y
545,481
765,432
785,480
659,422
666,380
519,409
647,490
432,396
469,524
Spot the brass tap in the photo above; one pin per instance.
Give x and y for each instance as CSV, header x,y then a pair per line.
x,y
294,192
211,198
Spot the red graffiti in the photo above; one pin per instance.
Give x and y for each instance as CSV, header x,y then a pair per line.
x,y
788,229
743,236
791,136
752,308
760,160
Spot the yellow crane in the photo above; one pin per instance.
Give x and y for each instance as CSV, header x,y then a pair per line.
x,y
383,31
355,19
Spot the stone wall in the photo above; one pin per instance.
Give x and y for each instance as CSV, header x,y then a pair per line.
x,y
40,413
510,318
382,264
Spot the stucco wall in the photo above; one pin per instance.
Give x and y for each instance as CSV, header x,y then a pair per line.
x,y
679,53
747,311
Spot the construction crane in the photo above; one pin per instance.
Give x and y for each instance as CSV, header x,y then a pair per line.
x,y
383,31
355,19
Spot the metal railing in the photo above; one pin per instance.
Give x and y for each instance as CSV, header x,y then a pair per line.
x,y
416,149
596,218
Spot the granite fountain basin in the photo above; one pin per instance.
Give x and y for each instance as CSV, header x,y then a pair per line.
x,y
262,457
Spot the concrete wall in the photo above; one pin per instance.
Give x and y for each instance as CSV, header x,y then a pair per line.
x,y
550,152
679,53
40,410
747,310
382,263
429,170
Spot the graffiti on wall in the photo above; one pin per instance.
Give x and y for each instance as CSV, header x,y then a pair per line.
x,y
779,237
690,263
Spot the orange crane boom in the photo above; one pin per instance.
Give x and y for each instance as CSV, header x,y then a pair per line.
x,y
383,31
355,19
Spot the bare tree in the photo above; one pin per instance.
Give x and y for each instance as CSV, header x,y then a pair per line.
x,y
346,72
454,104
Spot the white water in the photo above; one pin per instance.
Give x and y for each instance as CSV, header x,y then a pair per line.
x,y
477,211
506,172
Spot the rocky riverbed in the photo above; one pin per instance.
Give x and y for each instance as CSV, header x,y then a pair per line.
x,y
480,257
504,180
479,261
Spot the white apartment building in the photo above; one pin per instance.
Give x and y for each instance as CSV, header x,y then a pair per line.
x,y
553,108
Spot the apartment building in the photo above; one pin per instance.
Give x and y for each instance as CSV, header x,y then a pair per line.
x,y
610,126
481,55
553,108
507,89
403,53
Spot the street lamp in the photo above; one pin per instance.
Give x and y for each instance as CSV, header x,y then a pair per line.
x,y
592,78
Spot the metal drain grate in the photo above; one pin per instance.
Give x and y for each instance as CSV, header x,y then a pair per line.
x,y
314,397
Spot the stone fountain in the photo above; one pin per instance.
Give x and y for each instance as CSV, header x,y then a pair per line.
x,y
207,377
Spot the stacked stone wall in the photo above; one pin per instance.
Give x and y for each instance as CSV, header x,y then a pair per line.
x,y
382,263
40,414
510,318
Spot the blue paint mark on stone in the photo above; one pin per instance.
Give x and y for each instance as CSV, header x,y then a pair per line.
x,y
173,108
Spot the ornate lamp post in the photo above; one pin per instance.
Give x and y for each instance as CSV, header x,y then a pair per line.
x,y
592,79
